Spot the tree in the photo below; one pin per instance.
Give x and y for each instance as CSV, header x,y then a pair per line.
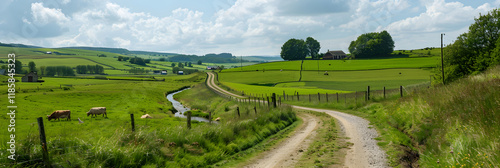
x,y
475,50
120,58
190,65
313,47
294,49
18,66
162,59
372,45
180,65
32,66
173,64
42,70
199,62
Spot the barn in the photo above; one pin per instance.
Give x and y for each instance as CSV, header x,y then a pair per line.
x,y
334,55
30,77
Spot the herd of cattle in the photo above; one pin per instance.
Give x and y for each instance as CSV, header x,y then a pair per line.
x,y
58,114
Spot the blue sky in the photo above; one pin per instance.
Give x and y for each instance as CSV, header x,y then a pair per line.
x,y
241,27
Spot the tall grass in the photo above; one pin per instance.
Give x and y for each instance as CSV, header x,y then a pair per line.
x,y
446,126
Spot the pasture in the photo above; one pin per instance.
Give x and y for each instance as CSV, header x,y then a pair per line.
x,y
344,65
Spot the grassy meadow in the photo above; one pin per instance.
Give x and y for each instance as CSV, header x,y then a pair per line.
x,y
163,141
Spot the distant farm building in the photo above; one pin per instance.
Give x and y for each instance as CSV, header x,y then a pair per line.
x,y
30,77
180,73
334,55
212,67
158,72
48,52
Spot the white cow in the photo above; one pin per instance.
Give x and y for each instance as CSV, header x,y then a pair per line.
x,y
97,111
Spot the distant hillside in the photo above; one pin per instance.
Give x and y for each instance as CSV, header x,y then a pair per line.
x,y
18,45
111,50
122,51
263,58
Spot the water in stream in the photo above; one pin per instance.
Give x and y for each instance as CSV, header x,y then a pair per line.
x,y
181,109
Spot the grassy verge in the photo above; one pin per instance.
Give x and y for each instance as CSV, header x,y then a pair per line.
x,y
328,147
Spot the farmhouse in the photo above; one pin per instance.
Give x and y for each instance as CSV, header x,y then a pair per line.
x,y
180,73
30,77
212,67
334,55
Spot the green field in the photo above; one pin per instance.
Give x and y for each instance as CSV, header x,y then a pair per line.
x,y
344,65
409,68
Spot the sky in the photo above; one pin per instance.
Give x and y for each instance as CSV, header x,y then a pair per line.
x,y
240,27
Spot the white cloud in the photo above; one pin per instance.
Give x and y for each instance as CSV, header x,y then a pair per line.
x,y
439,16
42,15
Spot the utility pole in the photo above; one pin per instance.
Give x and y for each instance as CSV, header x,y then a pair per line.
x,y
442,62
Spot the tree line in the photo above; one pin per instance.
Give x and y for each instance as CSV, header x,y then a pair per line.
x,y
474,51
89,69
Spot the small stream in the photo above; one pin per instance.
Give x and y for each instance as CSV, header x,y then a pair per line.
x,y
181,109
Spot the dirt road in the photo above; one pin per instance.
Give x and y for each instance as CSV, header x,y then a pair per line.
x,y
363,153
287,152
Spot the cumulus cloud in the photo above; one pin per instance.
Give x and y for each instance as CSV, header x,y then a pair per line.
x,y
42,15
439,16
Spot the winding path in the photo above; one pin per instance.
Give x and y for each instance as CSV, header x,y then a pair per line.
x,y
363,153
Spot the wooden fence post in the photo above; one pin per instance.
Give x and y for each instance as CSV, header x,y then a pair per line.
x,y
384,92
401,90
43,141
319,98
326,97
356,98
337,97
368,93
284,95
133,124
209,117
345,99
274,100
309,98
298,99
255,109
189,119
268,103
238,110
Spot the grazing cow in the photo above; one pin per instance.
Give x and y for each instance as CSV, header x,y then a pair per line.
x,y
97,111
60,114
146,116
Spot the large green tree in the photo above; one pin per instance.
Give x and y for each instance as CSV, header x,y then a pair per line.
x,y
313,47
372,45
32,66
475,50
294,49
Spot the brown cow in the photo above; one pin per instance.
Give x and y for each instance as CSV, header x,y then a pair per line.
x,y
60,114
97,111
